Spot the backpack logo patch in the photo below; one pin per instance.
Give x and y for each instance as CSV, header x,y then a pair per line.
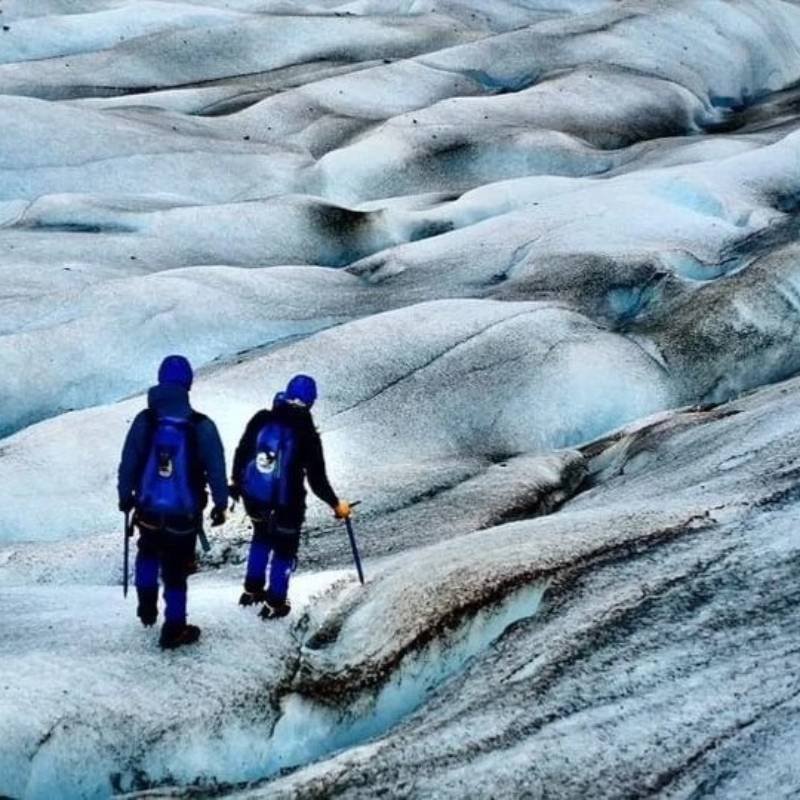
x,y
165,465
266,462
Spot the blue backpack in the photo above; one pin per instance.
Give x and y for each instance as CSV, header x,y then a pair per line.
x,y
168,485
266,478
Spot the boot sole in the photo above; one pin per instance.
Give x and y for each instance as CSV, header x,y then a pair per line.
x,y
176,645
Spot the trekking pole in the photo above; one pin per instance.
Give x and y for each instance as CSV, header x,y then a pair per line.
x,y
201,535
128,532
349,525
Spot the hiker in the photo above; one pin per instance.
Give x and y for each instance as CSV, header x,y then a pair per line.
x,y
279,449
171,452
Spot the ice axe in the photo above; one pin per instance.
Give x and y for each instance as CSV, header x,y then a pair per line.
x,y
348,522
128,533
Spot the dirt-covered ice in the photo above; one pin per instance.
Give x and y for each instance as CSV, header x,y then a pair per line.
x,y
542,259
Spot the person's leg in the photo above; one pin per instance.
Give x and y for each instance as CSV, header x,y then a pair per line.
x,y
257,560
147,564
285,543
177,564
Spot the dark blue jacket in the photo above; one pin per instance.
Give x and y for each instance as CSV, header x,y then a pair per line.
x,y
171,400
310,463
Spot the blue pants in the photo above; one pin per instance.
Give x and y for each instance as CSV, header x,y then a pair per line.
x,y
273,550
173,555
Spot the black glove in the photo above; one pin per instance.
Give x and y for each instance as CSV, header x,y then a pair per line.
x,y
126,504
217,516
234,492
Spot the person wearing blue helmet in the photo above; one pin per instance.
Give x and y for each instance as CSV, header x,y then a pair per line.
x,y
170,455
279,450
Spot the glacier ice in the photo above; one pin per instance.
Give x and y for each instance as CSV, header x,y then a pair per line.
x,y
542,258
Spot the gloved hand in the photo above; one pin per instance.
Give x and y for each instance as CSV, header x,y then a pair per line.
x,y
343,510
234,492
217,516
126,504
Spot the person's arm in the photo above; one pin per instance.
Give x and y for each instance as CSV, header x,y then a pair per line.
x,y
134,455
315,470
212,455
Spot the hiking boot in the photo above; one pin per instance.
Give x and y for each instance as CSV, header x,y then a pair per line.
x,y
148,615
175,636
147,607
276,611
252,598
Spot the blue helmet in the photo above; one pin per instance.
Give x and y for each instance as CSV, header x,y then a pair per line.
x,y
176,370
301,389
279,400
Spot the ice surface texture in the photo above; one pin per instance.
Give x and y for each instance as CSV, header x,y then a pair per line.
x,y
495,232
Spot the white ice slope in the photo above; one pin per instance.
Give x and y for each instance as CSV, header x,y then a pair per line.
x,y
655,585
390,379
495,232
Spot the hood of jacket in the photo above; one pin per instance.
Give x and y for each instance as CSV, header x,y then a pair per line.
x,y
169,400
293,415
